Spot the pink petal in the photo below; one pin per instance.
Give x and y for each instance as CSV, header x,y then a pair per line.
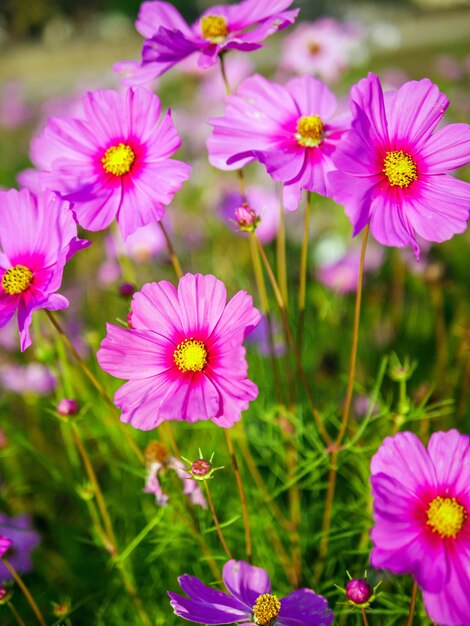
x,y
450,454
446,149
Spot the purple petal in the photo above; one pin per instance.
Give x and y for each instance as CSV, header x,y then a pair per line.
x,y
368,96
204,613
246,582
303,607
199,592
152,15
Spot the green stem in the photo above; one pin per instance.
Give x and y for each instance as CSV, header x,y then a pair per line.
x,y
15,614
26,592
330,493
216,521
100,389
241,492
281,257
171,251
303,271
411,613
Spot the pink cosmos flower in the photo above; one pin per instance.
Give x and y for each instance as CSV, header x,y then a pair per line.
x,y
30,378
169,39
5,545
392,167
38,235
341,275
422,518
23,540
287,128
114,162
183,357
323,48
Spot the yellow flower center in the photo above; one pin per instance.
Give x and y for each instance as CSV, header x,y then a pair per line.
x,y
309,131
446,516
399,168
118,159
214,28
266,609
190,355
16,280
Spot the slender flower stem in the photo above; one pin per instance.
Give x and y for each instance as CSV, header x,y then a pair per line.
x,y
15,614
97,385
241,491
26,593
97,489
292,344
216,521
110,536
281,256
364,617
411,613
263,295
330,493
303,271
171,251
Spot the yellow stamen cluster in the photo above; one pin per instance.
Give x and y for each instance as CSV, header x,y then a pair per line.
x,y
16,280
118,160
309,131
214,28
446,516
190,355
399,168
266,609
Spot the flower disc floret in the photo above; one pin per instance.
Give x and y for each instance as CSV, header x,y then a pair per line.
x,y
118,160
399,168
266,609
309,131
214,28
16,280
190,356
446,517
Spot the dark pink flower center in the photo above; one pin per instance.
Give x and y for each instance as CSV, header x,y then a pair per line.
x,y
266,609
446,516
16,280
214,28
399,168
190,356
118,160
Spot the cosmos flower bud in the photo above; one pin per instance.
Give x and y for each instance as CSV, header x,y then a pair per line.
x,y
5,594
358,591
246,218
61,609
68,407
201,469
126,290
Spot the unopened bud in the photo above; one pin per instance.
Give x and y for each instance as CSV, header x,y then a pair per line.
x,y
358,591
246,218
61,609
200,468
67,407
5,594
126,290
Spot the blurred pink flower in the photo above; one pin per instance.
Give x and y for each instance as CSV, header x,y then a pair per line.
x,y
19,530
30,378
14,111
322,48
342,275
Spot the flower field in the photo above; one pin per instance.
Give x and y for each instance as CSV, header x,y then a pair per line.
x,y
235,324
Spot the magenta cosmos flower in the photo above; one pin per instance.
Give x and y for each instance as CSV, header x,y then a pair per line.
x,y
249,601
38,235
19,533
169,39
287,128
114,162
183,355
422,518
392,166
